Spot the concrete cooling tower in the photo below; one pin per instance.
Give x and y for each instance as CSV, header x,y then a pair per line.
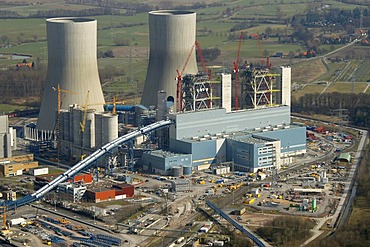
x,y
72,63
172,37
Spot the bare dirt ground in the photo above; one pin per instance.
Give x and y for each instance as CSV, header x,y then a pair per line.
x,y
308,71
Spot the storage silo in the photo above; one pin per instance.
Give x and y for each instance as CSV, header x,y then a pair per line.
x,y
187,170
172,38
89,132
98,129
177,171
72,64
109,128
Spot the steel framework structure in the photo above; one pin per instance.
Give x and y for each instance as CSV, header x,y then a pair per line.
x,y
197,93
258,88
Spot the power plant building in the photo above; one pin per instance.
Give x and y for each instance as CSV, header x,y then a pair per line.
x,y
72,65
172,40
252,139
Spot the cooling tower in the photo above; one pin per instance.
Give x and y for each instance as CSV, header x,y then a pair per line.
x,y
172,38
72,63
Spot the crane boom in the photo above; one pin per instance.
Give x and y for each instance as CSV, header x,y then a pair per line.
x,y
82,124
179,80
201,58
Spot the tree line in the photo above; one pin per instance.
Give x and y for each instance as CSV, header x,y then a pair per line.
x,y
286,230
357,106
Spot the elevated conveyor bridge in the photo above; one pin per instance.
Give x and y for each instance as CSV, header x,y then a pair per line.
x,y
84,164
255,238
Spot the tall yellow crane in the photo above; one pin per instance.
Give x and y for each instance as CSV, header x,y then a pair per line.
x,y
86,107
59,91
83,123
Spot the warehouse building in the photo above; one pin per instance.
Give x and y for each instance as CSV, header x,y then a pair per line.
x,y
180,185
163,162
71,192
17,165
116,192
80,178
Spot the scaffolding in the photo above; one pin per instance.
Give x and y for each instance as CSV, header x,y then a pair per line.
x,y
198,93
258,88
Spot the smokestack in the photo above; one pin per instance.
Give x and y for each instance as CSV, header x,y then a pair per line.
x,y
172,38
72,63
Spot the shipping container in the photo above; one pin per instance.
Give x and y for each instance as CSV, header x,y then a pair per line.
x,y
16,221
38,171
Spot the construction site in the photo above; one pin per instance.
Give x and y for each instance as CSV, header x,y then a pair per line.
x,y
179,169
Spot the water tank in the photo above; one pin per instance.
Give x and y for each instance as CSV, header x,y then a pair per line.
x,y
177,171
109,128
187,170
172,39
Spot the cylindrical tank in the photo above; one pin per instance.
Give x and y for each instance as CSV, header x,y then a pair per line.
x,y
172,39
177,171
314,206
89,132
109,127
187,170
72,64
98,129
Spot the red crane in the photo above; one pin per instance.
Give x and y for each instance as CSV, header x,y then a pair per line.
x,y
201,57
179,80
257,38
236,71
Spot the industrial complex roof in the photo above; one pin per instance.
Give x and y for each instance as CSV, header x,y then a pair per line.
x,y
165,154
345,157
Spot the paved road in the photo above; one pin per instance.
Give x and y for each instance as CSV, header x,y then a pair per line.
x,y
346,200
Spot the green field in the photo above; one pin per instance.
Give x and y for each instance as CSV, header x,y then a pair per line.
x,y
4,108
347,87
28,36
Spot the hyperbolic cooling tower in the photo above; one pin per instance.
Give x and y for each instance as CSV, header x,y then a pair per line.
x,y
72,63
172,38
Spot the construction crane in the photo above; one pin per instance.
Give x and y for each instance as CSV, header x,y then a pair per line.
x,y
236,72
209,72
83,124
59,91
201,57
86,108
257,38
179,80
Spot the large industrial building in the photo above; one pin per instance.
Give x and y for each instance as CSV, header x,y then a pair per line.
x,y
256,137
215,122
